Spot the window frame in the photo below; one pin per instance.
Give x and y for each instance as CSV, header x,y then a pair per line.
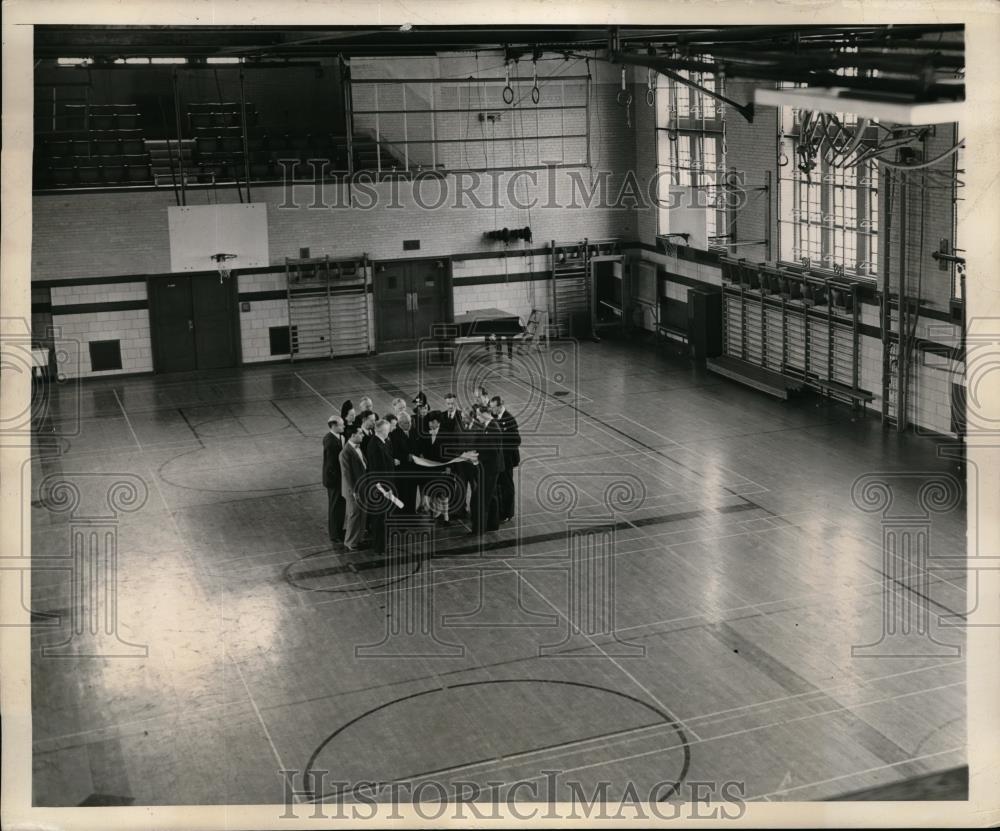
x,y
687,116
842,220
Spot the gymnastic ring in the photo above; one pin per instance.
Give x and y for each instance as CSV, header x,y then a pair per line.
x,y
624,98
535,94
508,94
650,97
671,134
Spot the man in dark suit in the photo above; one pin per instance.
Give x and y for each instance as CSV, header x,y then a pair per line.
x,y
511,456
420,410
400,445
352,470
382,466
455,443
333,443
451,417
365,424
488,443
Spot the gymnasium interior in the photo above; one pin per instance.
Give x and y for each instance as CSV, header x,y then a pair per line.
x,y
716,272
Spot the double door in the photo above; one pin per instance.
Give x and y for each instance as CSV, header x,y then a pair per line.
x,y
193,323
410,296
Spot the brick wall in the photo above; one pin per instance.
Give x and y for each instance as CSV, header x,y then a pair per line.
x,y
752,153
109,234
74,331
255,324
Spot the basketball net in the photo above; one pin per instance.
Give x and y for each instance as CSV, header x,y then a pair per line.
x,y
222,264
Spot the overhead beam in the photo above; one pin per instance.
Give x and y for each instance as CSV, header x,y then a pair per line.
x,y
660,65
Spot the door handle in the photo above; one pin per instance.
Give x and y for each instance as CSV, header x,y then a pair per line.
x,y
416,305
191,325
409,307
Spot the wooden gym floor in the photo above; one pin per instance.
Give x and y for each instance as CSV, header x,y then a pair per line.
x,y
743,574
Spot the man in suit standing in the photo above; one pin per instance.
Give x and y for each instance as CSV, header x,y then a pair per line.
x,y
366,426
511,456
399,444
455,443
420,410
488,443
333,443
451,418
382,466
352,470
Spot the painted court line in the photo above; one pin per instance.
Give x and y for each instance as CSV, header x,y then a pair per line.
x,y
256,709
127,421
316,391
857,773
597,646
644,754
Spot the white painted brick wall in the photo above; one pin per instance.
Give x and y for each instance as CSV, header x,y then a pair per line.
x,y
99,293
77,330
518,298
254,337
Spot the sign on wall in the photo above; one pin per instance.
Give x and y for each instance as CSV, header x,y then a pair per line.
x,y
199,231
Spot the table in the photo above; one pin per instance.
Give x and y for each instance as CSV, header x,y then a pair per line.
x,y
490,324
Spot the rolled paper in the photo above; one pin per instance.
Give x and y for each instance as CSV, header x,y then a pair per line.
x,y
420,460
390,496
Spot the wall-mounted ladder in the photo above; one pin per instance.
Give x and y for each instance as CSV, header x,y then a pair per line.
x,y
570,291
328,308
800,329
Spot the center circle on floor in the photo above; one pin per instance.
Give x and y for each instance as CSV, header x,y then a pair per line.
x,y
505,727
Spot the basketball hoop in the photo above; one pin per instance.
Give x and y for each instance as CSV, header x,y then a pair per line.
x,y
222,263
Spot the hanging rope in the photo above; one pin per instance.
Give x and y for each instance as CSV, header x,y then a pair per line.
x,y
508,90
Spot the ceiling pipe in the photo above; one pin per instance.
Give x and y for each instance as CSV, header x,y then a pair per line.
x,y
789,70
735,34
862,60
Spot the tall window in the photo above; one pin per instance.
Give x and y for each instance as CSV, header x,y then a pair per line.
x,y
828,216
690,141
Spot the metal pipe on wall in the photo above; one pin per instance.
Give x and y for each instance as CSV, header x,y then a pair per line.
x,y
902,351
180,146
243,135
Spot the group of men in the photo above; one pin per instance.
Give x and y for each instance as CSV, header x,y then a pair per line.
x,y
448,463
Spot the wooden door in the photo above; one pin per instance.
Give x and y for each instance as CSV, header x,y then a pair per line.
x,y
426,297
172,324
193,323
410,297
214,307
392,300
